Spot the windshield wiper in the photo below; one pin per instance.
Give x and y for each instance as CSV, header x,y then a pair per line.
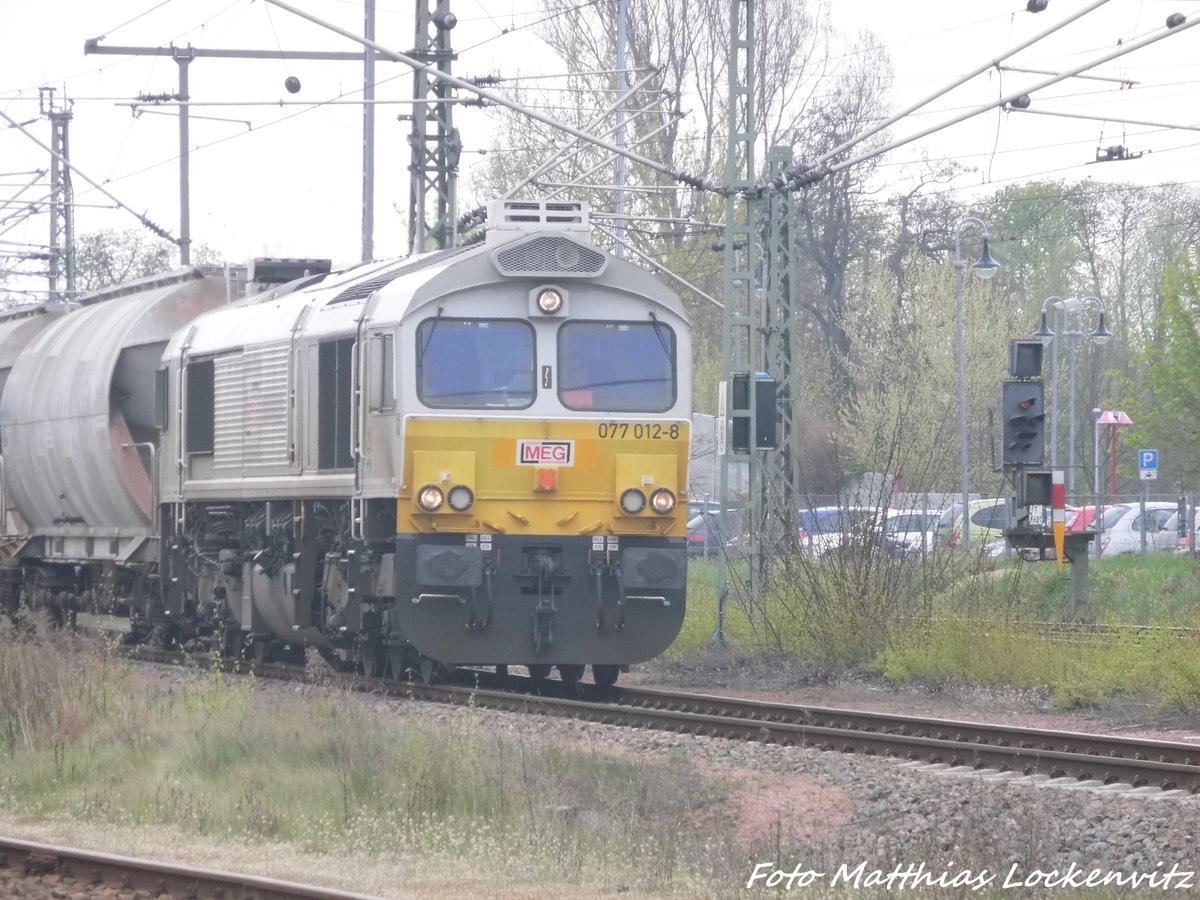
x,y
425,345
661,340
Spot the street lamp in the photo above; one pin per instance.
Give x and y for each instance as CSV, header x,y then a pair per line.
x,y
1064,308
1113,419
985,267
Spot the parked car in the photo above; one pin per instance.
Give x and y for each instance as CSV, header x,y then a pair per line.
x,y
910,532
1186,544
1083,518
1123,525
989,518
828,529
999,548
704,535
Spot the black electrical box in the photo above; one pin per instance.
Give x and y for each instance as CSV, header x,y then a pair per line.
x,y
1038,489
1025,359
766,413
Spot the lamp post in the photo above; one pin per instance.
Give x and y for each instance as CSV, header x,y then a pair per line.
x,y
985,267
1101,335
1113,419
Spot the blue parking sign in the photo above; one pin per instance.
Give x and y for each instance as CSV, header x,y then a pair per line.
x,y
1147,459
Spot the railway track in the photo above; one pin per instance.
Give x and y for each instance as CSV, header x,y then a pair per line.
x,y
32,870
1118,761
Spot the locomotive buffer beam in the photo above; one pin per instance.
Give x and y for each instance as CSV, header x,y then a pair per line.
x,y
546,569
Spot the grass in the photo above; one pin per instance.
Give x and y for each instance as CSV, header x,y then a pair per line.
x,y
941,621
91,741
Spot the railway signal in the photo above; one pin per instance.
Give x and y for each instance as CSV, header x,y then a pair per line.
x,y
1024,411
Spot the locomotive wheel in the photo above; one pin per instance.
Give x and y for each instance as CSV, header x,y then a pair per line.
x,y
160,636
605,676
373,659
539,670
570,673
397,665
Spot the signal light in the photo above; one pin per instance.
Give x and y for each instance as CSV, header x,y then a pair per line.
x,y
1024,418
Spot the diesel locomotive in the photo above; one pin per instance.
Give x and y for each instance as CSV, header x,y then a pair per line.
x,y
477,456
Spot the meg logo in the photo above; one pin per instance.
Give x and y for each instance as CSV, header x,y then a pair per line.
x,y
545,453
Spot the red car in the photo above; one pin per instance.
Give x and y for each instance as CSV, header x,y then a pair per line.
x,y
1081,518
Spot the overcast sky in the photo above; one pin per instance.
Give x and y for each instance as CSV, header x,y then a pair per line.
x,y
286,180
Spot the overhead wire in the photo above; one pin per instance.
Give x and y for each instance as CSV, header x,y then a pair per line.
x,y
318,103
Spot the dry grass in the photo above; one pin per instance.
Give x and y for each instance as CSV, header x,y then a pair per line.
x,y
318,787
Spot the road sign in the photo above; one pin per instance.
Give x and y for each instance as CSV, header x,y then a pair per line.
x,y
1148,459
1148,474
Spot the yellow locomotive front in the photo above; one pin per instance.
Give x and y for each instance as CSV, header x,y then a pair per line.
x,y
544,435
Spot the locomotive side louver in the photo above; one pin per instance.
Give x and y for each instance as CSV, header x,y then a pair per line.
x,y
549,256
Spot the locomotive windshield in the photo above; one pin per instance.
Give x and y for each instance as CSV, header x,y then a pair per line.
x,y
616,366
470,363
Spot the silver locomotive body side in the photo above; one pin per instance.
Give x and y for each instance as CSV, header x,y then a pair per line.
x,y
280,460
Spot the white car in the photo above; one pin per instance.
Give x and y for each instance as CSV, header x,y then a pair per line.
x,y
910,532
1122,526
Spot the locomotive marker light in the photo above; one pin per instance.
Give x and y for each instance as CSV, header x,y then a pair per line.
x,y
633,501
461,498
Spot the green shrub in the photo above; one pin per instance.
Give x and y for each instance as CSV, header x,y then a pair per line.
x,y
943,620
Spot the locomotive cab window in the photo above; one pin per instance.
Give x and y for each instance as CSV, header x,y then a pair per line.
x,y
616,366
474,363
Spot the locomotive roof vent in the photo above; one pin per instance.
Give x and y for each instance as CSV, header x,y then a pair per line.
x,y
507,216
549,256
542,254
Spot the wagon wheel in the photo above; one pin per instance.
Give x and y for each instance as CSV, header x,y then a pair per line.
x,y
260,649
605,676
233,647
539,671
570,674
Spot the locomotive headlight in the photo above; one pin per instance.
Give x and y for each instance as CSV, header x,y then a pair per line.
x,y
549,301
662,501
633,502
461,498
430,498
